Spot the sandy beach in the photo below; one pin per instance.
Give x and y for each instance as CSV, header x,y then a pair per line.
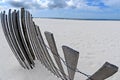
x,y
97,42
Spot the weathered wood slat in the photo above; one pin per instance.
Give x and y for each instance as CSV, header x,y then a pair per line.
x,y
50,67
41,54
14,28
47,54
25,38
40,50
20,37
8,38
13,38
104,72
27,59
30,34
71,57
37,44
52,45
44,54
12,34
25,50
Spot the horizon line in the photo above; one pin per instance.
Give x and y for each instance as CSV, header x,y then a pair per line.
x,y
78,19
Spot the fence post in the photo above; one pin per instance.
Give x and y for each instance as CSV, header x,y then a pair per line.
x,y
71,57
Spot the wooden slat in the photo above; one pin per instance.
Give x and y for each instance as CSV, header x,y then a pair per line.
x,y
25,37
44,54
104,72
51,63
4,22
14,40
20,36
30,34
38,48
52,45
41,54
15,33
71,57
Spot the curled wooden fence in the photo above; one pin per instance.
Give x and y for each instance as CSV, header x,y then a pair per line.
x,y
26,42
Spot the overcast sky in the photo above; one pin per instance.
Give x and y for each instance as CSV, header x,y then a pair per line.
x,y
85,9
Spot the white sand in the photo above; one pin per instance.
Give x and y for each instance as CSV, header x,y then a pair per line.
x,y
97,42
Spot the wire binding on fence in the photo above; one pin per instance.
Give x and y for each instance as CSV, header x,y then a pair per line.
x,y
77,70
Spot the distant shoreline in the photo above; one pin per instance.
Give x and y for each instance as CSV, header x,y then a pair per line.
x,y
79,19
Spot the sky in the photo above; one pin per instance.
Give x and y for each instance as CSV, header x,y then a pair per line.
x,y
80,9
